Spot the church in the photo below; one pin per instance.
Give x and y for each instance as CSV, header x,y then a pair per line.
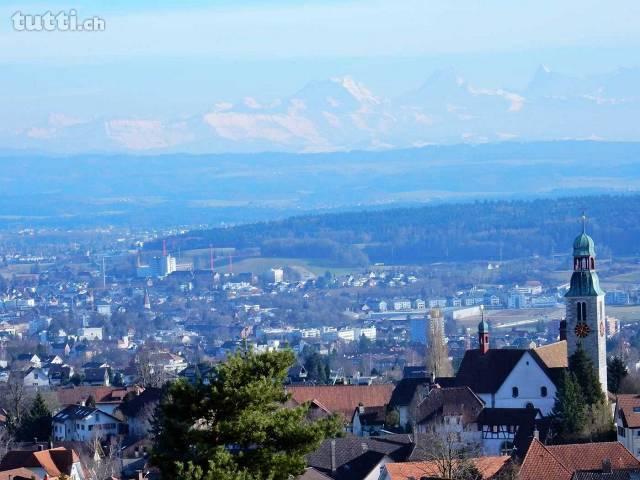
x,y
527,378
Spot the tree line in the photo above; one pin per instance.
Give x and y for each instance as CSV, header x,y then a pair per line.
x,y
478,230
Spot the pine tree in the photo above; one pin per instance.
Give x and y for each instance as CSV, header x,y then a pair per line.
x,y
581,366
616,371
37,423
569,409
236,427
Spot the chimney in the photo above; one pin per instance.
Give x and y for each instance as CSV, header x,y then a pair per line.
x,y
333,455
360,408
606,466
563,329
139,475
536,433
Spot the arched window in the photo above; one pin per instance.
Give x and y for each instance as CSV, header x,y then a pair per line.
x,y
543,391
581,310
515,392
529,405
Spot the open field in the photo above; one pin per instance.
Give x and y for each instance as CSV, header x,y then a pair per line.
x,y
260,265
516,316
629,313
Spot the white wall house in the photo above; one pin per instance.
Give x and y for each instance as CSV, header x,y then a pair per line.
x,y
90,333
78,423
627,420
36,377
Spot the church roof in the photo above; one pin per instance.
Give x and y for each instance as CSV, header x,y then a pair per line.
x,y
554,355
584,284
486,372
584,246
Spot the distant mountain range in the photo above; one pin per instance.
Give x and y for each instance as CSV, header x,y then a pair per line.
x,y
184,189
342,114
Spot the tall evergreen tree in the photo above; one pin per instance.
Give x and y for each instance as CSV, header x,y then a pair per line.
x,y
569,409
581,366
236,427
616,371
37,423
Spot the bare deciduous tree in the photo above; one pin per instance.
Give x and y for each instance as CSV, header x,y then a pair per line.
x,y
438,363
451,456
150,374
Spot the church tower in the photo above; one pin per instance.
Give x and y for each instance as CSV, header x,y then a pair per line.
x,y
585,316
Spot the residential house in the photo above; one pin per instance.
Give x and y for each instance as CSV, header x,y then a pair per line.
x,y
342,399
406,394
97,376
505,428
578,461
79,423
42,464
359,458
138,411
106,399
368,421
36,377
451,412
59,374
627,420
90,333
29,358
61,348
489,468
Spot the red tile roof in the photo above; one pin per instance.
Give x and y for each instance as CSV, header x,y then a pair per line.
x,y
489,467
16,474
562,461
554,355
625,405
343,399
55,461
75,395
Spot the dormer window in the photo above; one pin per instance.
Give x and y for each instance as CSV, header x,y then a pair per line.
x,y
543,391
515,392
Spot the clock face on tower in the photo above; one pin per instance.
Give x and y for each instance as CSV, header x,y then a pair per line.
x,y
582,330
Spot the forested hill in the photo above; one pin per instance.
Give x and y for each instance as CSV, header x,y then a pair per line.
x,y
483,230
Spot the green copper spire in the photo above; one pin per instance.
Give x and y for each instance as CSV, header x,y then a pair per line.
x,y
584,281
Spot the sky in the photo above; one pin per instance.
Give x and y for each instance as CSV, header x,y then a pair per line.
x,y
166,60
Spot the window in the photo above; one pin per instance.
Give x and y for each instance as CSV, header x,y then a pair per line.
x,y
543,391
529,405
621,432
637,433
515,392
635,410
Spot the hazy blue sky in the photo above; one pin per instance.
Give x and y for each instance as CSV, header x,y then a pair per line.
x,y
172,58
